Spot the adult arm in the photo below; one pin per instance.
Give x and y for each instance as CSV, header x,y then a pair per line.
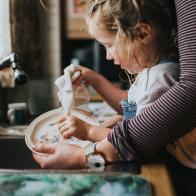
x,y
174,113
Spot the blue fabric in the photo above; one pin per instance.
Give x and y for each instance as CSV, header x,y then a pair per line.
x,y
129,109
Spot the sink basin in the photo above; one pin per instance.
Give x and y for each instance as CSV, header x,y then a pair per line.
x,y
15,154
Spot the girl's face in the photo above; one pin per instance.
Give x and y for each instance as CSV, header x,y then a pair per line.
x,y
116,51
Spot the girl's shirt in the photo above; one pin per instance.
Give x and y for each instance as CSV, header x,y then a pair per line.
x,y
151,83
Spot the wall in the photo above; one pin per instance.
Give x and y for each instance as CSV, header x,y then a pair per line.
x,y
36,39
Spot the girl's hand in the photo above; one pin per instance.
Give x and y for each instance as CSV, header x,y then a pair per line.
x,y
87,76
60,156
72,126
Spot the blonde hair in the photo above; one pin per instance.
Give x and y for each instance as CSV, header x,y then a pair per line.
x,y
122,16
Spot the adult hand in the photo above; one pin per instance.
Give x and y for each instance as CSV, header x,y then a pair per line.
x,y
60,156
72,126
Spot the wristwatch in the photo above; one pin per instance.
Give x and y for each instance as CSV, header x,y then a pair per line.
x,y
94,160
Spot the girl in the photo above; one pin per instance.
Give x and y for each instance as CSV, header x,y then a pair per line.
x,y
139,44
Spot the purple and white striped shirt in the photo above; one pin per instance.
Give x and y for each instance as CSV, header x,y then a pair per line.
x,y
174,113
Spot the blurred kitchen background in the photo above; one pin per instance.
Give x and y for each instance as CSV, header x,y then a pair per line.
x,y
47,36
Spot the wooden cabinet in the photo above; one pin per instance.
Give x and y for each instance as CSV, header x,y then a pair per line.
x,y
75,19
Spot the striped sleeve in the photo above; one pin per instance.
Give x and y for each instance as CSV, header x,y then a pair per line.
x,y
174,113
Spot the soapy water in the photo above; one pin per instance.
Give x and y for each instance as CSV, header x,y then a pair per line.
x,y
51,138
45,139
55,138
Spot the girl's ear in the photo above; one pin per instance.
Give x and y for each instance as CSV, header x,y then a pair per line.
x,y
143,33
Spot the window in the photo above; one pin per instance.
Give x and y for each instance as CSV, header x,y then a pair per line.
x,y
5,34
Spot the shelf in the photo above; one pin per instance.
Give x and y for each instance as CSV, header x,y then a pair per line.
x,y
75,27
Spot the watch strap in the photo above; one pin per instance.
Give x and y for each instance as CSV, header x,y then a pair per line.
x,y
94,161
90,149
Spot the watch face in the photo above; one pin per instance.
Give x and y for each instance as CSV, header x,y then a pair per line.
x,y
96,162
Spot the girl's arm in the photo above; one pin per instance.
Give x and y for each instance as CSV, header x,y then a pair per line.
x,y
112,121
110,93
72,126
174,113
96,134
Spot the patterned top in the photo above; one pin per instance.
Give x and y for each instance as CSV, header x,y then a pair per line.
x,y
174,113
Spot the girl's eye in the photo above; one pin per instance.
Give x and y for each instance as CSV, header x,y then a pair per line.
x,y
108,46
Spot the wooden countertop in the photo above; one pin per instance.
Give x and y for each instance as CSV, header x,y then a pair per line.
x,y
157,174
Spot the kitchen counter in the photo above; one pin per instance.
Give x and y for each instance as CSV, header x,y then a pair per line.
x,y
156,173
16,158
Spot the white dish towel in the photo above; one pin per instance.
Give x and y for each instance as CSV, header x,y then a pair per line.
x,y
71,96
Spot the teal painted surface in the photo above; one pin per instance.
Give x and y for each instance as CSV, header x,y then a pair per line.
x,y
72,185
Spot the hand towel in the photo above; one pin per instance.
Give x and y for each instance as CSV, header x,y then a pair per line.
x,y
71,96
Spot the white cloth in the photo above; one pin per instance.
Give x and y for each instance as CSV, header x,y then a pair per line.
x,y
69,95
